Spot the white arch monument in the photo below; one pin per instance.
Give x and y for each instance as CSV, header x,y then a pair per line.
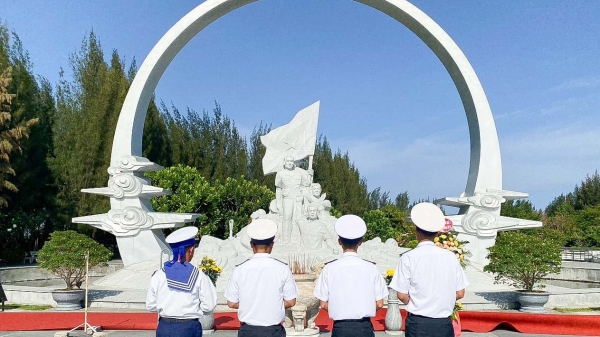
x,y
138,229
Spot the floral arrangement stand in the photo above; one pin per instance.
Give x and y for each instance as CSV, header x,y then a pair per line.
x,y
212,270
393,319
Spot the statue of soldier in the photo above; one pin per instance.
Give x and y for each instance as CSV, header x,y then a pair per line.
x,y
314,231
291,186
317,199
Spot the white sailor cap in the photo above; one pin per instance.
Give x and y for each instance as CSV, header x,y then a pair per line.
x,y
182,234
428,217
262,229
350,227
180,239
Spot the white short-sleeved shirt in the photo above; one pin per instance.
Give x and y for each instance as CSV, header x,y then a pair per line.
x,y
351,285
180,304
260,285
431,276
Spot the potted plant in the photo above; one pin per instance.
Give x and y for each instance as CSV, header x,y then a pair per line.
x,y
64,255
522,261
212,270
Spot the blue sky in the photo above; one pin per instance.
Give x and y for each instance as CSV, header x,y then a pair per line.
x,y
385,97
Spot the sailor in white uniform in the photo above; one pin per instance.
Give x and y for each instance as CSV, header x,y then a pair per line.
x,y
179,291
429,279
261,288
351,289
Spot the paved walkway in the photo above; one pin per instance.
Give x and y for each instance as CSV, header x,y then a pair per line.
x,y
498,333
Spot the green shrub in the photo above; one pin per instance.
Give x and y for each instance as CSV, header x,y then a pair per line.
x,y
229,199
64,255
522,260
379,225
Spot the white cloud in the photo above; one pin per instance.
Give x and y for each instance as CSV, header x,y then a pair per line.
x,y
577,83
543,161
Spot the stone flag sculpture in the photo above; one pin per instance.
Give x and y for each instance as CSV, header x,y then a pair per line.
x,y
296,139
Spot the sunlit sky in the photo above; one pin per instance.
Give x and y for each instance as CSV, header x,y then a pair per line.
x,y
385,97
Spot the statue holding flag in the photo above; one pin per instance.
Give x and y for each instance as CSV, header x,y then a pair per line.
x,y
286,145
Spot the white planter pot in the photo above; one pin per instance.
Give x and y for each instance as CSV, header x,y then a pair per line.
x,y
532,301
68,299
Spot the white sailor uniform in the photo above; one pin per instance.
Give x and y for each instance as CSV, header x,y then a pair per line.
x,y
179,292
431,276
351,286
260,285
177,304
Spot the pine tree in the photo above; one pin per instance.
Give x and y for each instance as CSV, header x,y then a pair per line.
x,y
88,108
10,136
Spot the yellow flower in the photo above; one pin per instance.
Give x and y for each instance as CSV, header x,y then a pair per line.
x,y
389,272
450,239
443,236
436,239
461,257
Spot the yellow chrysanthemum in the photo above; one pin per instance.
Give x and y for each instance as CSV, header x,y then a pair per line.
x,y
389,272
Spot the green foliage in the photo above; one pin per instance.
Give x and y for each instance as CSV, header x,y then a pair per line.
x,y
233,199
236,199
10,136
405,231
378,199
389,222
190,192
521,209
402,200
64,255
588,221
379,225
588,192
27,307
88,107
210,143
256,152
522,260
340,179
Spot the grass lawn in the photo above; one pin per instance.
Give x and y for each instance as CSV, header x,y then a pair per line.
x,y
31,307
576,309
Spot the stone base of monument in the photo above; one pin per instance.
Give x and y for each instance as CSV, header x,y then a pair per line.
x,y
305,332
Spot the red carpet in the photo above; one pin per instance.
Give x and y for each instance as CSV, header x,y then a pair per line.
x,y
483,321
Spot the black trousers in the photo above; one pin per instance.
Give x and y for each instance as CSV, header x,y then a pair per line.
x,y
247,330
172,328
421,326
353,328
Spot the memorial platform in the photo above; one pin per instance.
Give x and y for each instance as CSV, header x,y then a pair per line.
x,y
474,321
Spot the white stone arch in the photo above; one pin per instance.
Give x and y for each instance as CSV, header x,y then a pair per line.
x,y
138,229
482,129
